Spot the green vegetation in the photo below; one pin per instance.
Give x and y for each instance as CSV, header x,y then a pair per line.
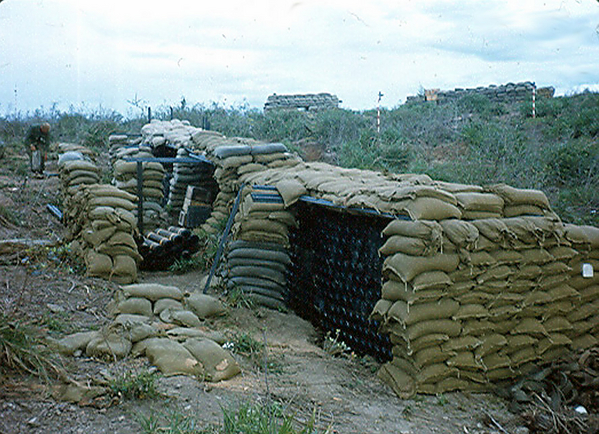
x,y
472,140
246,419
134,385
22,350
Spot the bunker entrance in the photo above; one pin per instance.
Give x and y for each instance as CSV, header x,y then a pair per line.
x,y
335,277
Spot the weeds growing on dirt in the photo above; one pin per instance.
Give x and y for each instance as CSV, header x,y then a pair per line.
x,y
237,298
244,343
171,422
22,350
9,215
334,346
134,385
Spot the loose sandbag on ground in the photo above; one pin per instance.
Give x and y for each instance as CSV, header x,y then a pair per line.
x,y
109,346
401,382
183,317
204,306
218,363
70,344
172,358
152,291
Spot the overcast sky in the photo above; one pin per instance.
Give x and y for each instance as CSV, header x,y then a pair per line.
x,y
110,52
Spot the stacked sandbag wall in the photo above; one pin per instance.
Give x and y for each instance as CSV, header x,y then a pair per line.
x,y
121,146
102,228
162,323
125,178
470,303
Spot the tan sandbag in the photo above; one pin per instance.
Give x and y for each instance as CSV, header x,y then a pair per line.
x,y
218,363
431,355
435,373
401,382
114,202
380,309
97,264
290,190
480,202
427,208
461,233
393,290
80,165
429,280
517,196
490,344
124,268
407,246
101,190
407,267
408,315
442,326
108,346
184,318
135,305
494,229
461,343
95,237
183,333
70,344
137,332
152,291
464,360
522,210
263,225
471,311
427,230
165,303
172,358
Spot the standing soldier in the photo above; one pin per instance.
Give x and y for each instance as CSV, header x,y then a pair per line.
x,y
37,143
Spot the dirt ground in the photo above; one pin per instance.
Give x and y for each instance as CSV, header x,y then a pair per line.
x,y
343,393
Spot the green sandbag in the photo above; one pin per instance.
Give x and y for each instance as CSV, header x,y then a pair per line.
x,y
110,346
172,358
218,363
152,291
204,306
445,326
259,272
260,254
263,225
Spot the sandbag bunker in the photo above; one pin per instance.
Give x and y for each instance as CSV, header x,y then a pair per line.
x,y
470,286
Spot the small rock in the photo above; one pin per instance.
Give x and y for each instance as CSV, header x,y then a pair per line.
x,y
55,308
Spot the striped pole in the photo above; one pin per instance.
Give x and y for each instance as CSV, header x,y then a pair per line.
x,y
534,97
378,113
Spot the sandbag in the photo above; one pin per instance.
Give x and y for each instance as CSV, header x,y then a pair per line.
x,y
204,306
172,358
218,363
135,305
152,291
108,346
407,267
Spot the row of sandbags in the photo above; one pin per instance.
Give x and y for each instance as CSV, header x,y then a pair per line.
x,y
417,197
75,170
153,173
164,324
123,145
235,159
102,227
467,304
258,269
